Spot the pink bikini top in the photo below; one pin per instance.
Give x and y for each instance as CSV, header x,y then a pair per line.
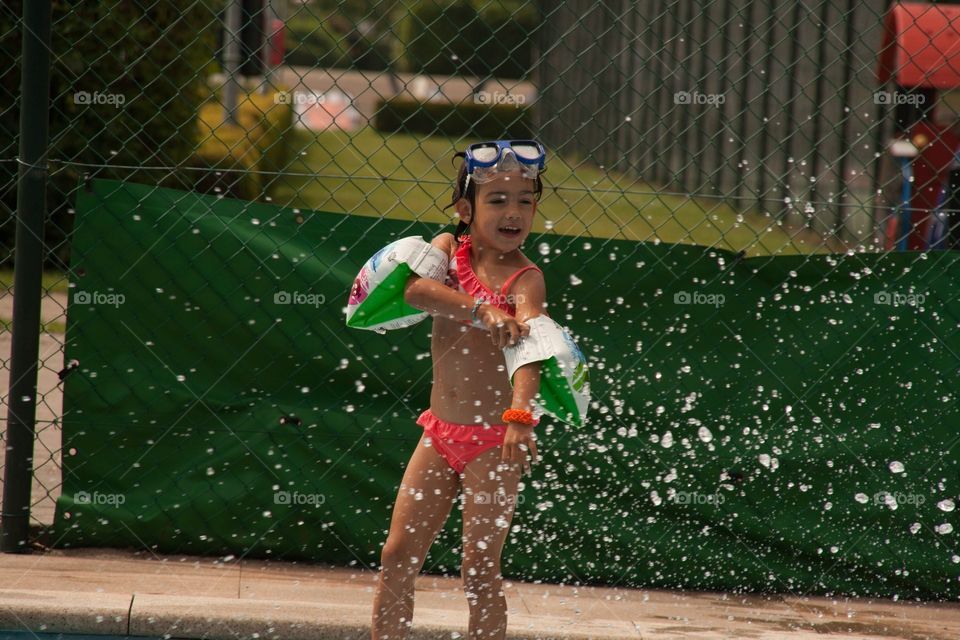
x,y
460,276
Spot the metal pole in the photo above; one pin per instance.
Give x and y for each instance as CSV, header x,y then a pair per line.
x,y
231,60
272,12
28,268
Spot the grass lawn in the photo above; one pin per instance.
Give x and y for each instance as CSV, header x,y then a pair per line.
x,y
409,177
406,177
50,281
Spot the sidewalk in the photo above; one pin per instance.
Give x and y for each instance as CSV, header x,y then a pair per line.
x,y
120,592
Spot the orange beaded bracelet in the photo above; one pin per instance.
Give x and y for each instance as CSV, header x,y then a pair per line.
x,y
520,416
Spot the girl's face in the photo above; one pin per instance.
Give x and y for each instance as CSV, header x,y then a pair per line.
x,y
504,212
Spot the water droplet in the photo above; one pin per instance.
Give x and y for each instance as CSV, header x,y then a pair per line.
x,y
862,498
896,467
946,505
944,528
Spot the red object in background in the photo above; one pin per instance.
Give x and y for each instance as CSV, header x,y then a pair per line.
x,y
937,145
276,42
921,46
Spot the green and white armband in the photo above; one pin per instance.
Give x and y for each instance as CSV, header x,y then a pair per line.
x,y
376,297
564,380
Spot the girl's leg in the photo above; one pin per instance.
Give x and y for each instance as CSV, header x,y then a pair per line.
x,y
489,500
427,492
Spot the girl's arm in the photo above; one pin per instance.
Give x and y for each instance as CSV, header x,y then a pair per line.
x,y
434,297
530,294
438,299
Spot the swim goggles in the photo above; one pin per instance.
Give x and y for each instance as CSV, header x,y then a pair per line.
x,y
486,159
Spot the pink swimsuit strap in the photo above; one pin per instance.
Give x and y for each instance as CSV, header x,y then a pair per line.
x,y
473,286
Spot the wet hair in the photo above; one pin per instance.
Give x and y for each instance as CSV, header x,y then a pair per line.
x,y
470,193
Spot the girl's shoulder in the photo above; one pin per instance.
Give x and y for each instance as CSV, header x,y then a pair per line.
x,y
526,271
526,263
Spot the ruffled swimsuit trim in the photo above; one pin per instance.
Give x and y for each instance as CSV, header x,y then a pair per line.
x,y
474,287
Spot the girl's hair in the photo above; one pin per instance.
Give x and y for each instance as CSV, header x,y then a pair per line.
x,y
470,193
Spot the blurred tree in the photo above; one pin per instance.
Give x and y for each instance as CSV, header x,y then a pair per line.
x,y
147,60
468,37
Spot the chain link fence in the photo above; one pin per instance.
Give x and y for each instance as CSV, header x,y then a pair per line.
x,y
734,126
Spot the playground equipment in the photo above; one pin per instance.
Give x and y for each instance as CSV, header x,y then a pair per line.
x,y
920,58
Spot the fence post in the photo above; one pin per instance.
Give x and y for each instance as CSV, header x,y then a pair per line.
x,y
231,59
28,270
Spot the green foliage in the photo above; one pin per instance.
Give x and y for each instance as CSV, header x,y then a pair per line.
x,y
322,34
468,119
466,37
469,37
235,154
147,56
310,44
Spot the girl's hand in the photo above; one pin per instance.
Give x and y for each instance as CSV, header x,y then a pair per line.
x,y
517,441
504,329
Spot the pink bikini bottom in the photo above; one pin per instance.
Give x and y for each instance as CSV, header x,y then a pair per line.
x,y
460,443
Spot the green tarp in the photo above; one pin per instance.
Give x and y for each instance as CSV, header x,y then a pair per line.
x,y
781,424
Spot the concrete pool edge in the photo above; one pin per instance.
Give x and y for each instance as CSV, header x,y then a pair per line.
x,y
113,593
152,615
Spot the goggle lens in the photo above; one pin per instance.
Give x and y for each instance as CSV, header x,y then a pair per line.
x,y
526,151
485,154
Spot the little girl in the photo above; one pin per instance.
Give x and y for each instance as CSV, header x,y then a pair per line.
x,y
477,430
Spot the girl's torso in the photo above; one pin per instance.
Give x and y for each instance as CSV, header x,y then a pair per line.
x,y
470,384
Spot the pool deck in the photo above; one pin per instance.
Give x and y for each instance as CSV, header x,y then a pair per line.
x,y
117,592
